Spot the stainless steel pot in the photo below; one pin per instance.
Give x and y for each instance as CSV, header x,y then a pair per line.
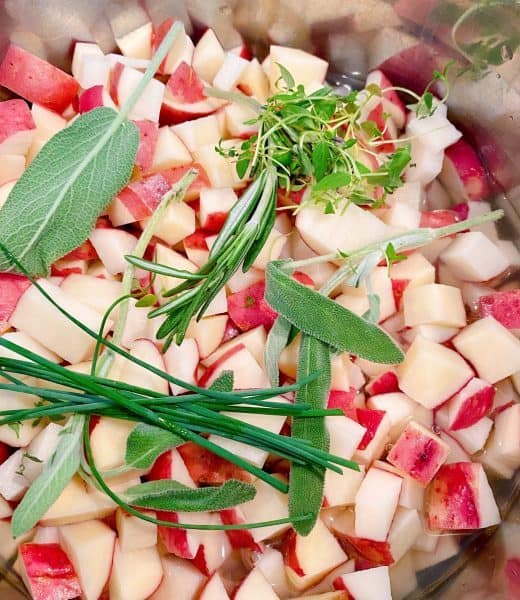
x,y
409,39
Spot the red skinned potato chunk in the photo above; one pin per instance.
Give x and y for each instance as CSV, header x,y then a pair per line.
x,y
11,289
185,85
248,308
48,572
37,80
503,306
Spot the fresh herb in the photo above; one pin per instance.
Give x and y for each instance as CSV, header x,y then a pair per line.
x,y
318,316
277,339
55,203
146,443
56,474
306,483
173,496
495,34
237,245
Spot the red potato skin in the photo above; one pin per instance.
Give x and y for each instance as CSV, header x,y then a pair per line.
x,y
289,199
398,288
185,85
85,251
370,419
512,576
451,502
148,134
90,99
231,331
386,383
378,553
438,218
215,221
115,76
11,289
377,116
15,116
467,165
241,538
196,240
503,306
290,557
212,369
62,268
174,174
5,452
36,80
158,34
418,455
248,308
344,400
142,197
206,468
475,407
173,113
49,572
175,540
462,210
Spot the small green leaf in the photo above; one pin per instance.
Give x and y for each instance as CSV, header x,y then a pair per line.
x,y
146,301
332,182
56,474
286,76
374,90
169,495
277,339
316,315
306,484
224,382
392,256
146,443
371,129
320,159
242,166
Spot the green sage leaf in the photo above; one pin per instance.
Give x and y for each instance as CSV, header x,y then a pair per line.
x,y
54,205
146,443
277,339
56,474
305,482
316,315
173,496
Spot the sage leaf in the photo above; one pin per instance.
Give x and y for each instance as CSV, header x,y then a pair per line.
x,y
56,474
305,482
170,495
54,205
318,316
146,443
277,339
286,76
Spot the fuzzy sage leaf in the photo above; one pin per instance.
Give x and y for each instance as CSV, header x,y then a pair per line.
x,y
146,443
320,317
169,495
306,483
56,474
53,206
277,339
